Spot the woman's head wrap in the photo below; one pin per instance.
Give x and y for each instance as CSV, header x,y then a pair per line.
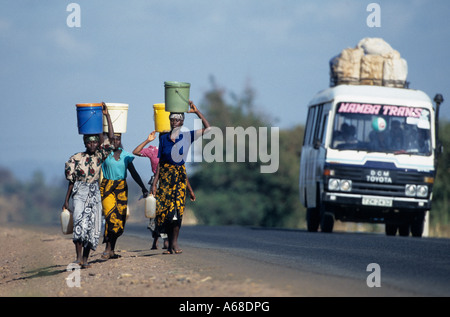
x,y
91,137
177,115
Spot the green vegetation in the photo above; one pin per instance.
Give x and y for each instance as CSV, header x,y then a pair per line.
x,y
228,193
440,213
30,202
237,192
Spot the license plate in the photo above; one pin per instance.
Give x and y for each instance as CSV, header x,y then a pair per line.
x,y
376,201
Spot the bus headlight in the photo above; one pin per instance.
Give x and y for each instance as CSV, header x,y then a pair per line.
x,y
422,191
333,184
344,185
410,190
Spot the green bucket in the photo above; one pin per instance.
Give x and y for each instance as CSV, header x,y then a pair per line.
x,y
176,96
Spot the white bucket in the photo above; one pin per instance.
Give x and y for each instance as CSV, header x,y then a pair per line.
x,y
119,115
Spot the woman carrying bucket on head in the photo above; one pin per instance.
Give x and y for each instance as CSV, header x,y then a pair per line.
x,y
82,170
152,153
114,193
170,183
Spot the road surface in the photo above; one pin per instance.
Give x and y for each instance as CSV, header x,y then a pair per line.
x,y
320,264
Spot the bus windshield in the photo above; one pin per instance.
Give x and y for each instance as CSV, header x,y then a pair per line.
x,y
382,128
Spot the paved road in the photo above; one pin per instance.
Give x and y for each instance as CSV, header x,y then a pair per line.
x,y
337,261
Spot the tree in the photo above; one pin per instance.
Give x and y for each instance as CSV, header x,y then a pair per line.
x,y
30,202
237,192
440,213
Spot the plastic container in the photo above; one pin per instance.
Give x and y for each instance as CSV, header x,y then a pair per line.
x,y
89,118
66,221
161,117
150,206
177,96
119,115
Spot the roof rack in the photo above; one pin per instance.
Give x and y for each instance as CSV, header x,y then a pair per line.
x,y
335,81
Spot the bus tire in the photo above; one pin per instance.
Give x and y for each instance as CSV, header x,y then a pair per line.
x,y
327,222
312,219
417,225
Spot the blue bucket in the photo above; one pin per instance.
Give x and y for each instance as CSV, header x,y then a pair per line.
x,y
90,118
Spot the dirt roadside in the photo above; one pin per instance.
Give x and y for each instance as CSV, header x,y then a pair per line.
x,y
36,262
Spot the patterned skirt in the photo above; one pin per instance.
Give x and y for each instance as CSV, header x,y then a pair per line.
x,y
114,201
171,196
87,212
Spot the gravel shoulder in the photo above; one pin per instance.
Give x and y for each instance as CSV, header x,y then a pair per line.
x,y
36,262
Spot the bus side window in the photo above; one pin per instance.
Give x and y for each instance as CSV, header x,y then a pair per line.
x,y
317,122
310,123
323,126
315,126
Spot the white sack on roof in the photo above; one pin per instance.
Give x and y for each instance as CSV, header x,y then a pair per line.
x,y
395,72
371,62
374,46
372,70
346,66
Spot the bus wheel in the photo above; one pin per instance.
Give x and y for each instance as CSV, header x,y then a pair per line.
x,y
327,222
417,226
312,219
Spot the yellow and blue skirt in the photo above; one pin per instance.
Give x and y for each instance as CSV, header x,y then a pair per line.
x,y
114,202
170,196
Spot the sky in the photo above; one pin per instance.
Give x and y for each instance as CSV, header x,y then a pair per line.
x,y
123,51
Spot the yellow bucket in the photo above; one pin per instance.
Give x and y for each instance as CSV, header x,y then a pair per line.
x,y
161,117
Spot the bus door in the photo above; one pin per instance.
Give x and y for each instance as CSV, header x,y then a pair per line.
x,y
313,153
